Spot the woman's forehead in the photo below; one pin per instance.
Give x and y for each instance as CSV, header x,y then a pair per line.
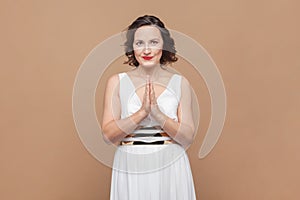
x,y
147,32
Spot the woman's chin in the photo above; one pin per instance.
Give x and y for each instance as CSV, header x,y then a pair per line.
x,y
149,64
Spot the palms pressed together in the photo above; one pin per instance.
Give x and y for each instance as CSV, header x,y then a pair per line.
x,y
150,105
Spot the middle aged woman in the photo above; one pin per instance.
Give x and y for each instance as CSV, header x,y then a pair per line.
x,y
148,115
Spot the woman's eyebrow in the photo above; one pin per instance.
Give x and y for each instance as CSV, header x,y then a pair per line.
x,y
155,39
149,40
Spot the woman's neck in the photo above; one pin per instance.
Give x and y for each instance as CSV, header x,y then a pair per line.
x,y
152,72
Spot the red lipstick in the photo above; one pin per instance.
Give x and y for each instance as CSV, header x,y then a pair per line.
x,y
147,57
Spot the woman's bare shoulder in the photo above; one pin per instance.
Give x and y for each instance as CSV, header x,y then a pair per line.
x,y
185,82
113,80
114,77
168,73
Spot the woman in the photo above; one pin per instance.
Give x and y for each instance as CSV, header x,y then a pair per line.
x,y
148,115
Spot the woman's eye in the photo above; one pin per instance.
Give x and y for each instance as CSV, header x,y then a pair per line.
x,y
138,43
154,42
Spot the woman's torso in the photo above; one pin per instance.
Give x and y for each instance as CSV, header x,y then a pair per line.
x,y
167,92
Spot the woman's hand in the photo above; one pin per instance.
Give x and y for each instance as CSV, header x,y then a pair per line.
x,y
155,111
150,106
146,107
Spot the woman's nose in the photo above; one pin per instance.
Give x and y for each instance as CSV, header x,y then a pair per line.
x,y
147,50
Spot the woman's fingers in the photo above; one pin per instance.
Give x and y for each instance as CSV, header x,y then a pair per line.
x,y
146,91
152,94
146,100
149,99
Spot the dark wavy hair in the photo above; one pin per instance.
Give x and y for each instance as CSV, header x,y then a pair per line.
x,y
168,51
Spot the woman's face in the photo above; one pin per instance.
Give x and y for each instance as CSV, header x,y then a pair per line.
x,y
147,46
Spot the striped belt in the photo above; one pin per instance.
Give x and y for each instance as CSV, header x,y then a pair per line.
x,y
167,140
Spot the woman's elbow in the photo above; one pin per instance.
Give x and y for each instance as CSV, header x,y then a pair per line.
x,y
106,136
189,137
106,139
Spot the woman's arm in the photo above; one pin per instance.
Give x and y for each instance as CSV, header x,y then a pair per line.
x,y
183,130
115,129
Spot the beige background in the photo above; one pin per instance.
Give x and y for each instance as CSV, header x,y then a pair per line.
x,y
254,43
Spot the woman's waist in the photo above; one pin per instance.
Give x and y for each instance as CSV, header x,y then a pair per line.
x,y
148,138
147,130
147,134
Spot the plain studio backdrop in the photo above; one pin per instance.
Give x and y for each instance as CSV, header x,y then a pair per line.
x,y
255,45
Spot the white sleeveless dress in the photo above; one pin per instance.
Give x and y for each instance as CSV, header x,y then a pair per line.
x,y
151,171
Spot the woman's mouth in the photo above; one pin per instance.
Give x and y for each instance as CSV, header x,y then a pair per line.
x,y
147,57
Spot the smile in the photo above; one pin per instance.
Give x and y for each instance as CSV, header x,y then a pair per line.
x,y
147,57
